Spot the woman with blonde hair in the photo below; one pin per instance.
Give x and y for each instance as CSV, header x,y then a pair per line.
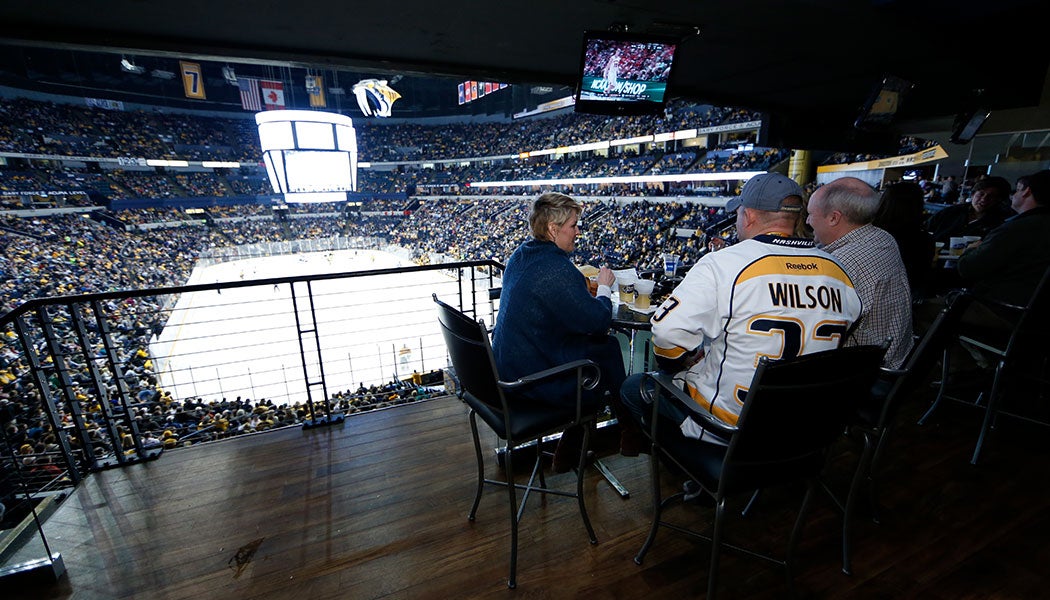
x,y
548,317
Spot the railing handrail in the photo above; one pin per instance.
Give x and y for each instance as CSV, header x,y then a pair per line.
x,y
35,303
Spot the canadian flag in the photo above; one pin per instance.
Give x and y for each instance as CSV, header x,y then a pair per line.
x,y
272,93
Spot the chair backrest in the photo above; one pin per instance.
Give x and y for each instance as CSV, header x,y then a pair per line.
x,y
796,408
925,354
468,347
1030,333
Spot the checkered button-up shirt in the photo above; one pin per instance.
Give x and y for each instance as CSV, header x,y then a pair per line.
x,y
871,259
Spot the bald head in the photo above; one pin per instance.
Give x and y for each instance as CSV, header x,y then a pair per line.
x,y
841,206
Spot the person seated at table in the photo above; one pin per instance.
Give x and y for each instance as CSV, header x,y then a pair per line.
x,y
771,295
901,214
1007,264
547,317
986,210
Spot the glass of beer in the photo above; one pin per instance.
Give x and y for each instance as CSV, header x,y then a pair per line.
x,y
644,290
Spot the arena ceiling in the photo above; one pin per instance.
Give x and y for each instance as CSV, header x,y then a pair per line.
x,y
811,64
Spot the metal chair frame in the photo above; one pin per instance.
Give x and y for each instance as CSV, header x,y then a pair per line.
x,y
886,400
794,410
479,385
1024,341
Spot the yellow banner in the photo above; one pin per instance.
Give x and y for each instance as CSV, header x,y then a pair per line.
x,y
918,158
315,89
192,81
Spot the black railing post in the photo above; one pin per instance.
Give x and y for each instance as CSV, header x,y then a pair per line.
x,y
40,379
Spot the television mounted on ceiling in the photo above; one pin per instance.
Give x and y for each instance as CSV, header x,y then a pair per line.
x,y
623,73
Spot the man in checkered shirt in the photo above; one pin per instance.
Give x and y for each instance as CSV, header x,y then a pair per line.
x,y
840,214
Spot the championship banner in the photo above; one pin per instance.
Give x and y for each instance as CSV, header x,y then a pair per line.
x,y
192,81
315,89
273,94
923,156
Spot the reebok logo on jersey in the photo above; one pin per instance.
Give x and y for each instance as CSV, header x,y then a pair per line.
x,y
801,266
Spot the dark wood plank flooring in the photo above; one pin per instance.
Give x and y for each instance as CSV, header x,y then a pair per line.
x,y
376,508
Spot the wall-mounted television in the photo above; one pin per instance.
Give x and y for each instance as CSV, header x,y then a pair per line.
x,y
624,73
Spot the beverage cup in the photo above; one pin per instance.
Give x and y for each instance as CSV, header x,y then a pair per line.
x,y
592,285
670,265
626,290
956,245
644,290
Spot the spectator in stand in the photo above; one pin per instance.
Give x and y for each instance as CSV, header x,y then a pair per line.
x,y
1009,262
986,210
840,214
547,317
703,333
949,190
901,214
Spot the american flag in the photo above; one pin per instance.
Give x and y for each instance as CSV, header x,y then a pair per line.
x,y
249,88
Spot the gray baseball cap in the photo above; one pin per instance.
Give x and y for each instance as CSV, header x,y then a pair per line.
x,y
766,192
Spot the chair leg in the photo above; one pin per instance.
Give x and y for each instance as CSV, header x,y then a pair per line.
x,y
581,467
990,411
716,546
654,469
750,503
512,582
873,497
796,533
481,465
851,502
945,364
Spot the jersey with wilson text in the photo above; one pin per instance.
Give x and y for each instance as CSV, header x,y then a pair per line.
x,y
770,296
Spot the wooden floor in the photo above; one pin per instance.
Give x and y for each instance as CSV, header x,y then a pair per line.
x,y
376,508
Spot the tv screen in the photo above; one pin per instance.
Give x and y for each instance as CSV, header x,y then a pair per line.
x,y
624,73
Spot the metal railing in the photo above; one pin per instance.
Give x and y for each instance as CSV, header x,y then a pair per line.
x,y
114,378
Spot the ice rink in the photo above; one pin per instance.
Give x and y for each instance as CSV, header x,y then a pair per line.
x,y
243,342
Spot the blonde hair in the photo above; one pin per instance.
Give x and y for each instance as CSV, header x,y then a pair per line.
x,y
551,207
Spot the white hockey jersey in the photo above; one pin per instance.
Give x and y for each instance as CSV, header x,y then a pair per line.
x,y
767,296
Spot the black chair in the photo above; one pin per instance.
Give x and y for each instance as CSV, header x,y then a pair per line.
x,y
517,423
876,416
794,410
1020,355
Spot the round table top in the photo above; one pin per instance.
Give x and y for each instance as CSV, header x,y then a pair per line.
x,y
626,318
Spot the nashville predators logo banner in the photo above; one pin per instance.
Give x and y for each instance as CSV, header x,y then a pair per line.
x,y
375,97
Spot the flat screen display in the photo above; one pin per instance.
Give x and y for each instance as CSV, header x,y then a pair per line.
x,y
624,73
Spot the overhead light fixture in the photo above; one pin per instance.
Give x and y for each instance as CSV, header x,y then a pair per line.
x,y
159,74
130,66
309,152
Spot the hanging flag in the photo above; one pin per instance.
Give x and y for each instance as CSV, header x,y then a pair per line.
x,y
272,93
315,88
192,82
462,95
250,99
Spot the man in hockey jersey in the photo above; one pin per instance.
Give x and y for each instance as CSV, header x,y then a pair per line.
x,y
769,295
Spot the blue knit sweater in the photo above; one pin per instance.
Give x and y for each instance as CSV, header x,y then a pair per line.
x,y
546,316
